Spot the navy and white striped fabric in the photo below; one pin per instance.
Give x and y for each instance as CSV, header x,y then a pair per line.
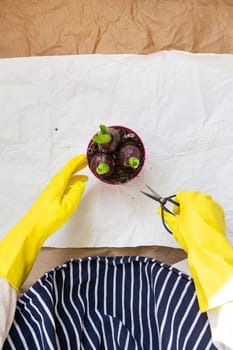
x,y
111,303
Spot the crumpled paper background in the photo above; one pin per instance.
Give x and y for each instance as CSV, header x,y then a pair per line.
x,y
66,27
180,104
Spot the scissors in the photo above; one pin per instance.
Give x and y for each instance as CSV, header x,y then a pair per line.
x,y
162,200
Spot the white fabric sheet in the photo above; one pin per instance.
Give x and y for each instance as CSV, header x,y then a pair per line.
x,y
180,104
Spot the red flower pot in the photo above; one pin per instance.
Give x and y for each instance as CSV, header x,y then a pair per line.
x,y
118,160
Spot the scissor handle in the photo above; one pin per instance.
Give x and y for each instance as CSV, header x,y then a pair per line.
x,y
163,207
163,221
169,198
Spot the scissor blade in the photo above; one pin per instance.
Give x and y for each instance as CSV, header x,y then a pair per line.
x,y
153,191
155,198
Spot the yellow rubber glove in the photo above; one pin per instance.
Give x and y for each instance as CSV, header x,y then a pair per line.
x,y
57,202
199,227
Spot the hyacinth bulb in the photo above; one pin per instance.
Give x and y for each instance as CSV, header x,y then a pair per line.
x,y
129,156
107,139
102,164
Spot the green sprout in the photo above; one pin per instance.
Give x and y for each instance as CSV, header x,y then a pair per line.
x,y
102,168
134,162
103,136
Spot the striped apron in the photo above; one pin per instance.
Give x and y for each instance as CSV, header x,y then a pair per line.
x,y
111,303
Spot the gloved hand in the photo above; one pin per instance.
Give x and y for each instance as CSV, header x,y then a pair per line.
x,y
199,227
57,202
